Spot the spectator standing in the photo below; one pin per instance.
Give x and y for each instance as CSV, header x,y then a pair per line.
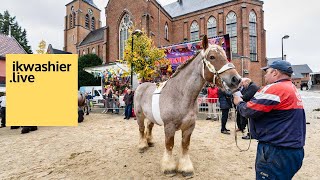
x,y
128,99
212,102
3,110
225,100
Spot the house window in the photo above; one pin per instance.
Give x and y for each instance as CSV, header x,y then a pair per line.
x,y
87,21
253,36
231,21
93,27
83,52
166,32
212,27
124,27
93,51
194,31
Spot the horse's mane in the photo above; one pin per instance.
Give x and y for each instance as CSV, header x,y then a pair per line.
x,y
182,66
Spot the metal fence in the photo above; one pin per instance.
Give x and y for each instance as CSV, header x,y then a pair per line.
x,y
211,108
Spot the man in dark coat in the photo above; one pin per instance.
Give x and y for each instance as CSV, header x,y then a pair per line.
x,y
225,101
128,99
248,91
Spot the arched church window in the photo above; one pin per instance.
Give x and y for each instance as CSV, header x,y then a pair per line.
x,y
166,32
125,25
253,35
71,20
231,22
93,27
87,21
194,31
212,27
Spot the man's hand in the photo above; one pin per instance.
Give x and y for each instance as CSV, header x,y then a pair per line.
x,y
237,100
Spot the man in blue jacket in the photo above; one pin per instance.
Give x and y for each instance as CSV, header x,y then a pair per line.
x,y
278,122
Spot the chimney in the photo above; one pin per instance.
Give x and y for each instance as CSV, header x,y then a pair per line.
x,y
9,33
180,2
285,57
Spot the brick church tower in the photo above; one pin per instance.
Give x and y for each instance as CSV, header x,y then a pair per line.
x,y
82,17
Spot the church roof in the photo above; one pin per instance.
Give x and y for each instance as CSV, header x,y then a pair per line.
x,y
51,50
93,36
9,45
188,6
91,3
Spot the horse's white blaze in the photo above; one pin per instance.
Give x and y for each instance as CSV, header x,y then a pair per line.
x,y
168,162
185,164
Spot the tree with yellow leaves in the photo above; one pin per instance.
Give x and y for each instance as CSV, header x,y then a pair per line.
x,y
146,58
42,47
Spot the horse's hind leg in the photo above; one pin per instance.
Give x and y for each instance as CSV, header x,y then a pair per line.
x,y
149,133
169,165
185,165
143,144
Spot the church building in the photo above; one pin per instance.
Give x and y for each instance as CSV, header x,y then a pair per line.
x,y
179,22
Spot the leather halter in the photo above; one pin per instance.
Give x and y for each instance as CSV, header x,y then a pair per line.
x,y
212,69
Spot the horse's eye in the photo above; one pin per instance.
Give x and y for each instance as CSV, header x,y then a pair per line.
x,y
211,57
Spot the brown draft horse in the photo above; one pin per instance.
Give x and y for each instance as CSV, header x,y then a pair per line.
x,y
176,106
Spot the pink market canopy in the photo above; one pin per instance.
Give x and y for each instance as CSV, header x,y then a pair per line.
x,y
178,54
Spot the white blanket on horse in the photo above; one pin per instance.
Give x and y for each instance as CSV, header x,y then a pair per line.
x,y
156,103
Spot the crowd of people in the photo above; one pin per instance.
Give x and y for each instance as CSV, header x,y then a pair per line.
x,y
218,99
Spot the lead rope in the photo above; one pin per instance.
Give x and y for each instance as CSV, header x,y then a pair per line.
x,y
235,134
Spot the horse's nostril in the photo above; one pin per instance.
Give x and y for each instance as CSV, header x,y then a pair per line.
x,y
235,80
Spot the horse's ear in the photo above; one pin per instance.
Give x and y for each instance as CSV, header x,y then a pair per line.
x,y
205,42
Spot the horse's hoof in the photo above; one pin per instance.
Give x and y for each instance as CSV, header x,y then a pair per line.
x,y
151,144
170,173
142,150
187,174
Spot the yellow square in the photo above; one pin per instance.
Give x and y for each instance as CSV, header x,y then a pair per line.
x,y
42,90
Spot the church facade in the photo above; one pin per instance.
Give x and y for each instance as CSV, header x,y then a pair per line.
x,y
175,23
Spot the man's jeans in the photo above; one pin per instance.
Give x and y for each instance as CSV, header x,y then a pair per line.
x,y
277,162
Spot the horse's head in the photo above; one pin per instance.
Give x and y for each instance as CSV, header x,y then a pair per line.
x,y
217,68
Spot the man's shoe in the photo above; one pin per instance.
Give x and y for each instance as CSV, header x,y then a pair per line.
x,y
246,137
227,129
125,118
25,130
33,128
2,126
208,118
225,132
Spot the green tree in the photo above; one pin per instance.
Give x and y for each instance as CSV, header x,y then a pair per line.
x,y
42,47
84,78
16,31
146,58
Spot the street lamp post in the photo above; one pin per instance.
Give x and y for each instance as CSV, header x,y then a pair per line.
x,y
242,70
284,37
135,32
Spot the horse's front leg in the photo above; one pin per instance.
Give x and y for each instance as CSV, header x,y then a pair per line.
x,y
185,165
168,163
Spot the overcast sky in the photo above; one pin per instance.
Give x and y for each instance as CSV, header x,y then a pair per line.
x,y
44,19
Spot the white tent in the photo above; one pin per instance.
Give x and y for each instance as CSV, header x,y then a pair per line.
x,y
2,89
102,68
114,66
